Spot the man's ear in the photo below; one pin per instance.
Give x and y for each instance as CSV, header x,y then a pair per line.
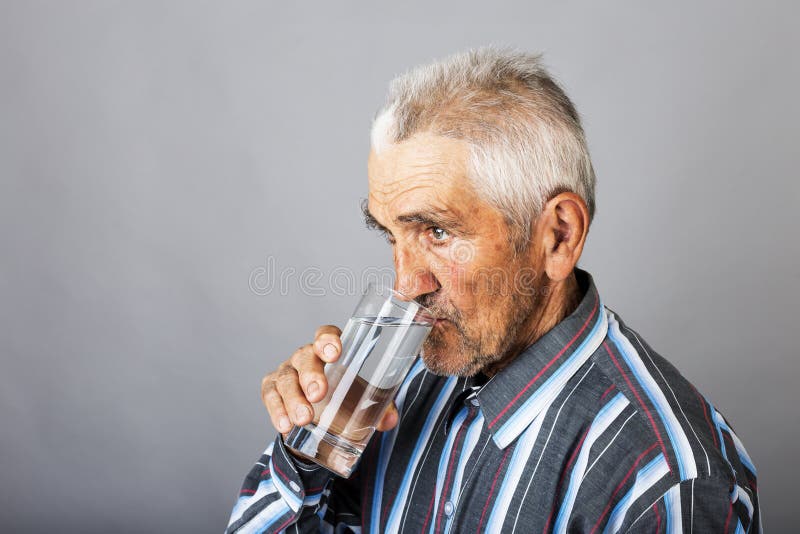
x,y
562,227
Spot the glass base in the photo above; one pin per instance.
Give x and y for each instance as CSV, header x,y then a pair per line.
x,y
328,450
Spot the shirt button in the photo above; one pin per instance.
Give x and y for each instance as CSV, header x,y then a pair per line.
x,y
294,486
448,508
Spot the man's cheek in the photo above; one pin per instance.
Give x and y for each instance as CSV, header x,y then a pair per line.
x,y
458,279
526,282
454,263
452,278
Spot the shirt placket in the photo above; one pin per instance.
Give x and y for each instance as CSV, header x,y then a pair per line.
x,y
448,504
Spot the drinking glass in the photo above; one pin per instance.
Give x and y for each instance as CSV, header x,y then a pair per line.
x,y
379,345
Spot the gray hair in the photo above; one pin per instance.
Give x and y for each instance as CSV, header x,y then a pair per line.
x,y
525,136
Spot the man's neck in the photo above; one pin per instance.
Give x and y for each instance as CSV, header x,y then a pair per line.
x,y
560,301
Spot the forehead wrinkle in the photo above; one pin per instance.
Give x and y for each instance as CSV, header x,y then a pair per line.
x,y
427,178
432,164
425,158
393,195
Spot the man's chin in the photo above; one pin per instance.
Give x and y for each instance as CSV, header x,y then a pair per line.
x,y
443,362
436,366
446,351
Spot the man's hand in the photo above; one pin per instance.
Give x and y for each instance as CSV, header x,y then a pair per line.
x,y
289,391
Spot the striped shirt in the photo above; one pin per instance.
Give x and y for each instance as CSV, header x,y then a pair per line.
x,y
587,430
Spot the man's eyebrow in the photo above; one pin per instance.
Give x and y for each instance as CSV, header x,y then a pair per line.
x,y
433,217
371,222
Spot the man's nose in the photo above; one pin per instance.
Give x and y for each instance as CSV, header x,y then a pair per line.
x,y
413,274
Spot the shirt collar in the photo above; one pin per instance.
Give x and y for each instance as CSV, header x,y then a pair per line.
x,y
512,399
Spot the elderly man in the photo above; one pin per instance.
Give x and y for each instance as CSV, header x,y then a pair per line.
x,y
533,407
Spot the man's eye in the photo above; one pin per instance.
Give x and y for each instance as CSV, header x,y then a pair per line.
x,y
439,234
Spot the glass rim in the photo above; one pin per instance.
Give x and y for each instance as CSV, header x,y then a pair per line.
x,y
404,298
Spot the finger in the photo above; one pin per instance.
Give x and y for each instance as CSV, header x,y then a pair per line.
x,y
274,403
288,386
311,373
390,418
328,343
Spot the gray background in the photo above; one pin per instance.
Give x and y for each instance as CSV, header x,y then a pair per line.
x,y
154,155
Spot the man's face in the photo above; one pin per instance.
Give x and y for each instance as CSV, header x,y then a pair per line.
x,y
451,253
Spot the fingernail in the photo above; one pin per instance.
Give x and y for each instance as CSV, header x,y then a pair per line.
x,y
284,424
313,387
329,350
302,413
391,419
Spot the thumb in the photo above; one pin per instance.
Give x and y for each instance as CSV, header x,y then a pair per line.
x,y
390,418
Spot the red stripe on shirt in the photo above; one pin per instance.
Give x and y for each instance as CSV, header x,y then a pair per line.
x,y
606,392
563,475
491,491
452,460
708,420
644,406
658,518
549,364
619,486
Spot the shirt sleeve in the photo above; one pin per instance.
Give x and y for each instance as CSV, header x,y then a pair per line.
x,y
281,491
701,505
